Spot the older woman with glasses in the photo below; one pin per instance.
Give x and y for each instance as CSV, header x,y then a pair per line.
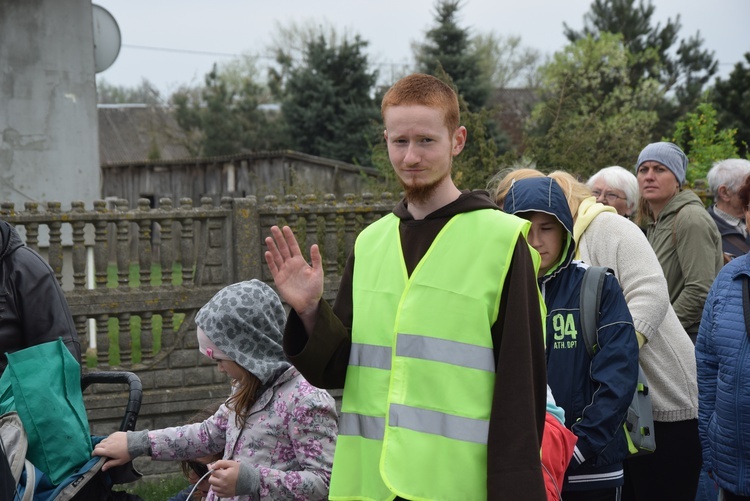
x,y
617,187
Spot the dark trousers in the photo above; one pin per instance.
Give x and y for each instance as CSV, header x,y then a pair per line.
x,y
728,496
672,471
612,494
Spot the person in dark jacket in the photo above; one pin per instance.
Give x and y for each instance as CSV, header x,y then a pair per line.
x,y
595,392
722,354
33,309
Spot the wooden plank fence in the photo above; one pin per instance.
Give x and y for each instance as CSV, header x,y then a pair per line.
x,y
132,272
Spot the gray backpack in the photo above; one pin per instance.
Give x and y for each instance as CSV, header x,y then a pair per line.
x,y
639,422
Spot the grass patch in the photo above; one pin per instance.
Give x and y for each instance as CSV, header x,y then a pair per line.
x,y
113,326
158,489
134,277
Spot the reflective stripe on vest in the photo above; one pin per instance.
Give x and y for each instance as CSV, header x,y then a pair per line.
x,y
415,418
436,423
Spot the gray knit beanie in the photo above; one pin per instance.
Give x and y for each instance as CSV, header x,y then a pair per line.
x,y
669,155
246,321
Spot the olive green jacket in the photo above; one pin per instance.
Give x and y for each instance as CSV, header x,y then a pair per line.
x,y
688,246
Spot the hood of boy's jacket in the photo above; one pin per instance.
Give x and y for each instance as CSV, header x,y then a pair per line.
x,y
543,194
246,321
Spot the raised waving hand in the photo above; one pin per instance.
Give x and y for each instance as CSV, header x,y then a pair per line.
x,y
299,283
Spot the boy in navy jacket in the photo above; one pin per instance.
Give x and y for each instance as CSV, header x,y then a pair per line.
x,y
595,392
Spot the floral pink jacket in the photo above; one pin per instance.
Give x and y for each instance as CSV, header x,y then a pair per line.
x,y
289,437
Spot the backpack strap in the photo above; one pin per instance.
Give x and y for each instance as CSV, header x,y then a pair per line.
x,y
738,242
591,296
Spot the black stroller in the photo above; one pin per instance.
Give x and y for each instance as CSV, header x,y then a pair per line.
x,y
89,483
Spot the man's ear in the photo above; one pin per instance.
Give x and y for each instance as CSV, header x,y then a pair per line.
x,y
459,140
723,193
385,135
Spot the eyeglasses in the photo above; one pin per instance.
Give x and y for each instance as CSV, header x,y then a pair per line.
x,y
610,196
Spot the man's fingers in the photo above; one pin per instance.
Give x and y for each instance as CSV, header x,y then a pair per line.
x,y
291,241
315,259
281,243
271,263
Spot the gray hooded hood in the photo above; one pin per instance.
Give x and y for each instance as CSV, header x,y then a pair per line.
x,y
246,321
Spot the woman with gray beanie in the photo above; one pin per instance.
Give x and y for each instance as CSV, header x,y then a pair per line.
x,y
277,432
688,247
683,235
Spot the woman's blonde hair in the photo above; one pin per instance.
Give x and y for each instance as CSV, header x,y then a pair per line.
x,y
575,191
500,184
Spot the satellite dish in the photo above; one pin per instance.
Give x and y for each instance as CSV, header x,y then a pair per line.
x,y
106,38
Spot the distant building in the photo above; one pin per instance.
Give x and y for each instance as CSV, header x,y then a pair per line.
x,y
139,133
144,155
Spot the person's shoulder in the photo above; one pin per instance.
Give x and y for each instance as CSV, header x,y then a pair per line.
x,y
27,260
735,268
566,282
304,390
614,224
694,215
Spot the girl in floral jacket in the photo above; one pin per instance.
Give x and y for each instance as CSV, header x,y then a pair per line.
x,y
276,431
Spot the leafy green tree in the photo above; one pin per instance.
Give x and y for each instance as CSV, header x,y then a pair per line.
x,y
683,74
448,46
591,113
703,141
731,98
224,118
328,102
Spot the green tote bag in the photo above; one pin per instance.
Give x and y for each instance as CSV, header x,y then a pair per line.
x,y
43,385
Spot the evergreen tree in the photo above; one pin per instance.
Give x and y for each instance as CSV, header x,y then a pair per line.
x,y
591,114
223,117
328,105
683,75
731,98
448,46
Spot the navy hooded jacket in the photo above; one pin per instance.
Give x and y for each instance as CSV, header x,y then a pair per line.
x,y
595,392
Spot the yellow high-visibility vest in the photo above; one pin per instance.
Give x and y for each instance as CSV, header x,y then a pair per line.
x,y
421,374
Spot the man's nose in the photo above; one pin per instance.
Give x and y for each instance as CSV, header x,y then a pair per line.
x,y
412,156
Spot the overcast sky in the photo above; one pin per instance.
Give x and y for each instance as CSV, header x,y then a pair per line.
x,y
175,42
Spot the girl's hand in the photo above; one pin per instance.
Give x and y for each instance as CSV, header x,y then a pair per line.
x,y
223,478
115,447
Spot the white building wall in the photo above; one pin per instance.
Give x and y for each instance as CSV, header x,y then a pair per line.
x,y
48,117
